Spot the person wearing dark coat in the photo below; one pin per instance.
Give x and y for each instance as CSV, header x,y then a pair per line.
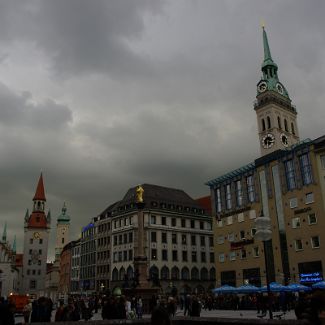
x,y
7,314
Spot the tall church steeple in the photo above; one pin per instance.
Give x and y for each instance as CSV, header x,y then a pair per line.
x,y
39,197
276,116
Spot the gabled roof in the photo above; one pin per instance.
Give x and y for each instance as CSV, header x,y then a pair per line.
x,y
40,193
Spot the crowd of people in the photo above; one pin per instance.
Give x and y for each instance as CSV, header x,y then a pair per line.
x,y
163,307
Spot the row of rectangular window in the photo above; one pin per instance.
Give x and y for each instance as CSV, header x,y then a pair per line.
x,y
314,240
103,241
240,217
164,256
33,272
231,236
102,269
183,239
296,222
174,223
309,198
123,222
228,204
103,255
242,254
305,171
87,272
126,238
103,227
123,256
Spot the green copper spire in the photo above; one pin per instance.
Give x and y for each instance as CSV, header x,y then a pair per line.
x,y
4,235
14,245
64,217
270,79
26,215
267,53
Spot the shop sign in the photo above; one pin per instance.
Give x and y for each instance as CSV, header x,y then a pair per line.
x,y
311,277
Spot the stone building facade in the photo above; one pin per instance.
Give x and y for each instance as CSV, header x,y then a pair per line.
x,y
177,239
36,236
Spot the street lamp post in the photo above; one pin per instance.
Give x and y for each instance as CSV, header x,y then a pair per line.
x,y
264,233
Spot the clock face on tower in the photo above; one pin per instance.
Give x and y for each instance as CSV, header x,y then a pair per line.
x,y
279,88
63,230
268,140
37,235
262,86
284,140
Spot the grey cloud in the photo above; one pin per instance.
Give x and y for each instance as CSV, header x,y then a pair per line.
x,y
144,91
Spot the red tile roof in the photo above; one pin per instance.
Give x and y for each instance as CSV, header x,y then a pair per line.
x,y
37,220
205,203
40,193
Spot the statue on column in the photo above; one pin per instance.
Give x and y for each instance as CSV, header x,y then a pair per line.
x,y
139,194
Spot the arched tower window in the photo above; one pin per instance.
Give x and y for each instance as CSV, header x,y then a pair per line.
x,y
286,125
279,123
263,124
293,128
268,122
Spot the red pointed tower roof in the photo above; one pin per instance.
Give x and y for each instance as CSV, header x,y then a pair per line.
x,y
40,193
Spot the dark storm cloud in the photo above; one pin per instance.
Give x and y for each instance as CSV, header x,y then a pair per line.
x,y
103,95
80,36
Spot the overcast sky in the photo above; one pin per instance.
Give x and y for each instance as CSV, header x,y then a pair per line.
x,y
104,95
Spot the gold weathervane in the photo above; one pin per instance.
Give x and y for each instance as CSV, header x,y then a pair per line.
x,y
139,194
262,23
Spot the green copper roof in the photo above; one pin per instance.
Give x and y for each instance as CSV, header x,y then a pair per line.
x,y
63,217
267,53
4,234
270,79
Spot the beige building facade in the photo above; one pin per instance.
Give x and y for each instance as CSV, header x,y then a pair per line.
x,y
286,184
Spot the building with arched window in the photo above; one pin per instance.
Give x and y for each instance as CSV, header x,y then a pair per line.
x,y
177,237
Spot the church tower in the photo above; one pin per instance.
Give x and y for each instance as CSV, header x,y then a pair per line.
x,y
276,116
62,231
36,236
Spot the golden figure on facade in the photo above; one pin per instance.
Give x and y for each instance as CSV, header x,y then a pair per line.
x,y
139,194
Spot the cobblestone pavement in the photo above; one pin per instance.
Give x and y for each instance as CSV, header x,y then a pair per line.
x,y
205,313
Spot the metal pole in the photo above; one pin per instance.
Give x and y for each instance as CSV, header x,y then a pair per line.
x,y
267,281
